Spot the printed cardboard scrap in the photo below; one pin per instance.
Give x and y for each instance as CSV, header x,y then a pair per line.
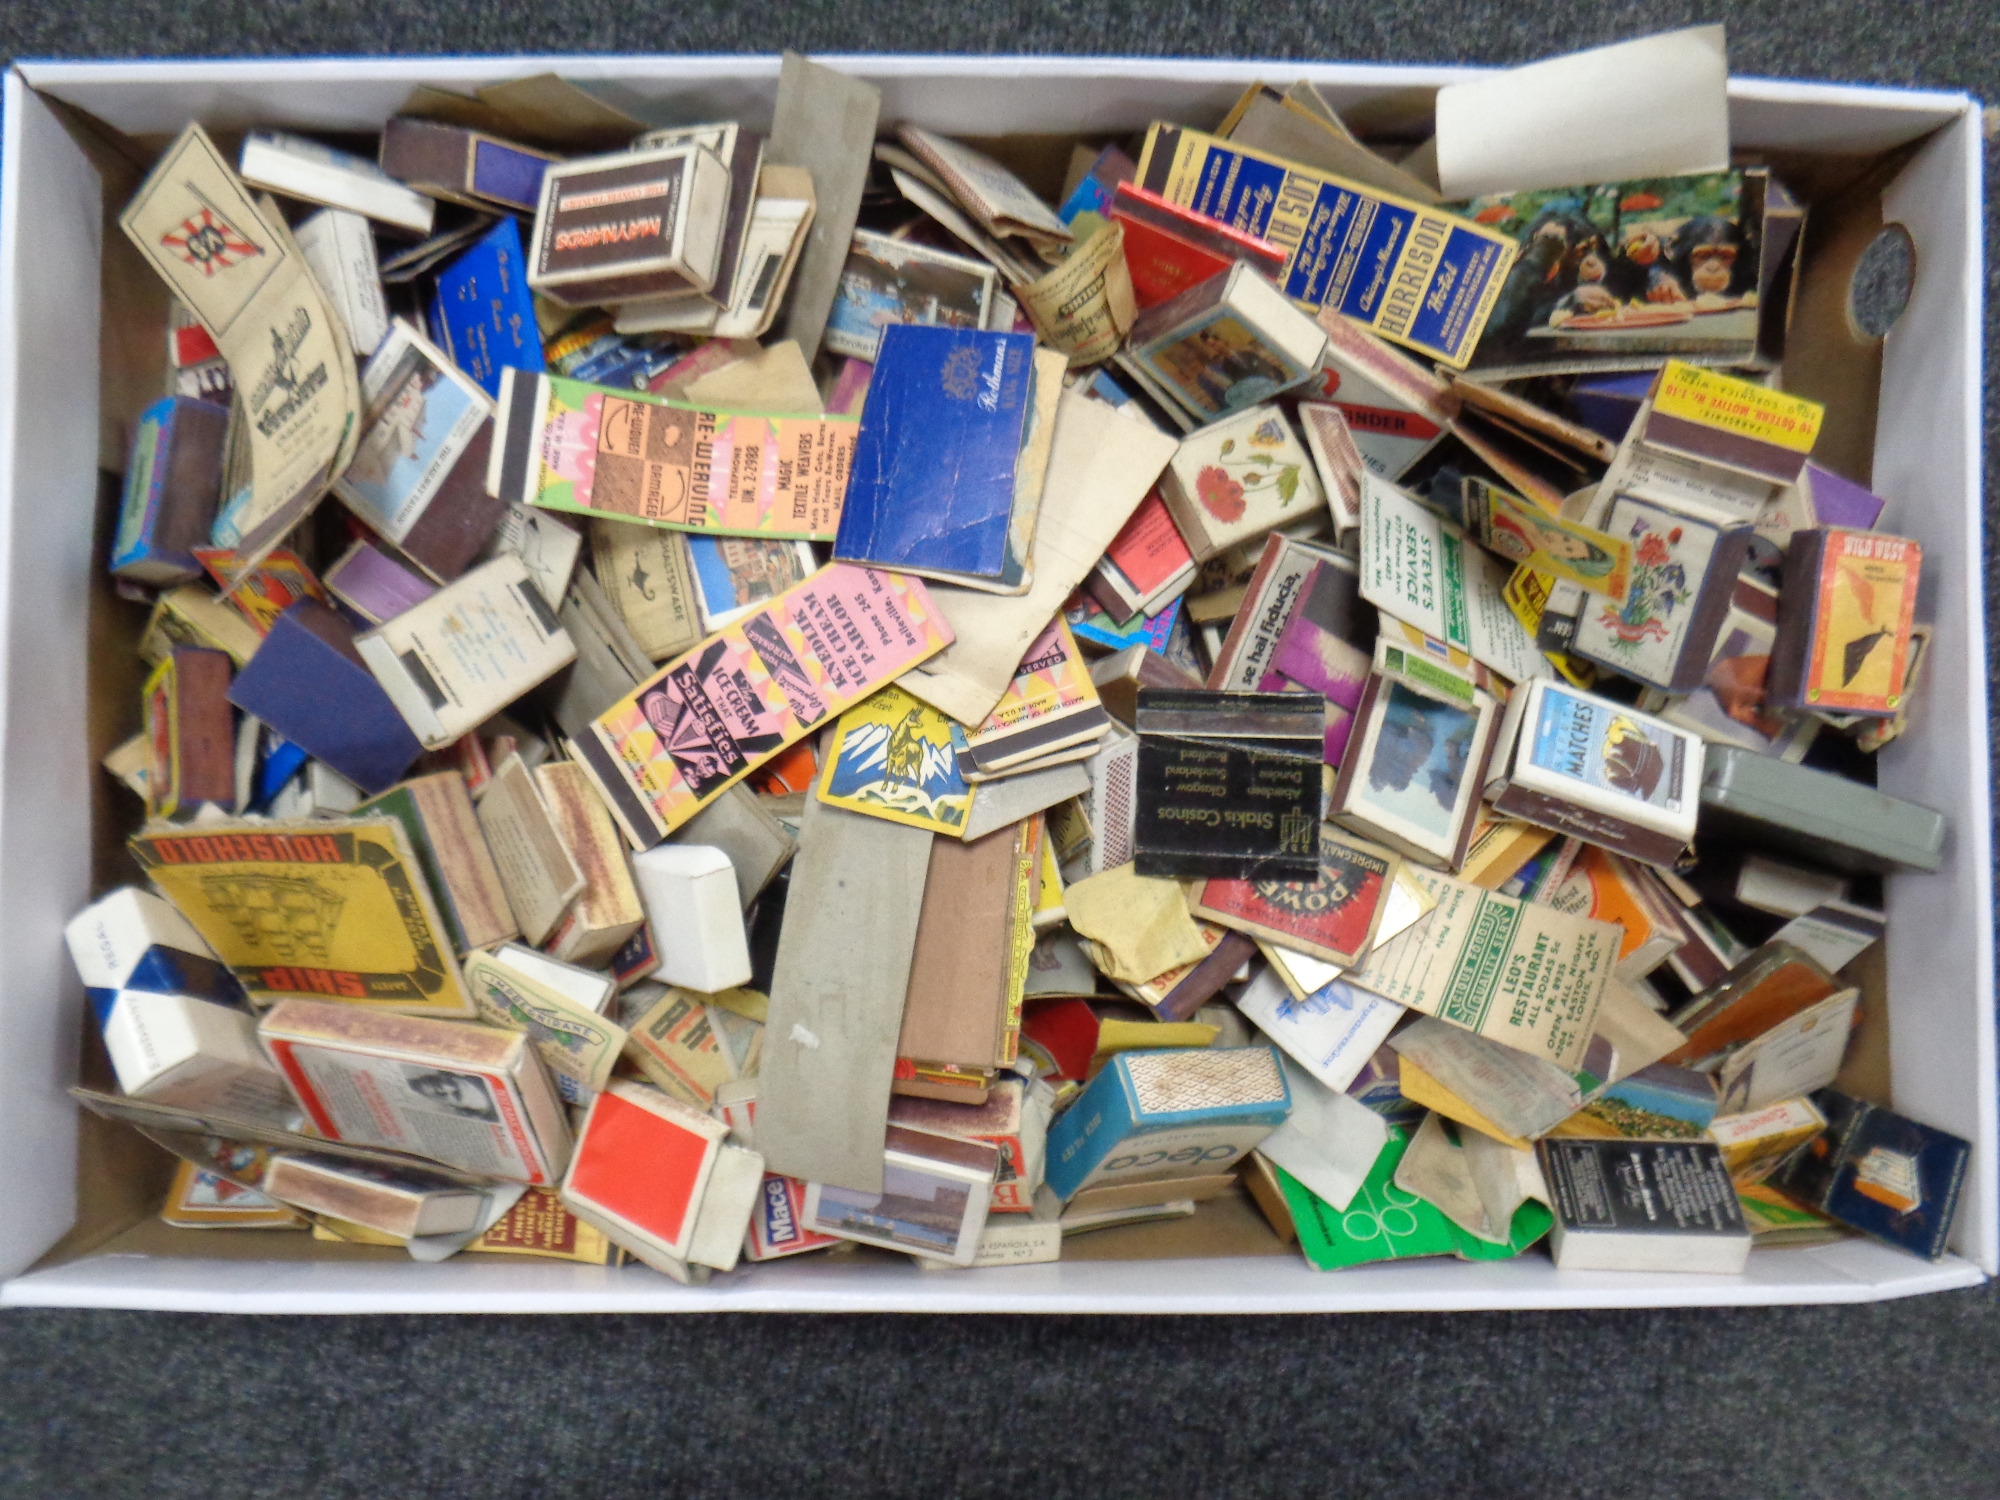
x,y
1523,975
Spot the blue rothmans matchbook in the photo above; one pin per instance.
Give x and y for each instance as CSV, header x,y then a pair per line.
x,y
933,485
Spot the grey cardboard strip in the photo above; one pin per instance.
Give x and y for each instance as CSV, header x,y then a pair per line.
x,y
825,122
843,969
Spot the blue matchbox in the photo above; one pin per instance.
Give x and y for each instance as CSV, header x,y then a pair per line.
x,y
1156,1116
932,488
173,482
484,315
310,685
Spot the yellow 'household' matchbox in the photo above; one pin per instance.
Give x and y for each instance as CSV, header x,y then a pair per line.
x,y
333,909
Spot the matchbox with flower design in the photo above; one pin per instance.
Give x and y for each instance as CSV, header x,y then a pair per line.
x,y
1683,576
1239,478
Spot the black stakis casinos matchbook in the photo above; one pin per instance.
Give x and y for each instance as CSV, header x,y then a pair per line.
x,y
1229,784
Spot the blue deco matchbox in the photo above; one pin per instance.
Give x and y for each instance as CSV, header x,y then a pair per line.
x,y
1155,1116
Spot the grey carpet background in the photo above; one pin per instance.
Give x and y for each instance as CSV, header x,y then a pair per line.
x,y
1897,1399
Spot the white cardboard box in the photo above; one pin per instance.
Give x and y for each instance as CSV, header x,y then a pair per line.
x,y
53,259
